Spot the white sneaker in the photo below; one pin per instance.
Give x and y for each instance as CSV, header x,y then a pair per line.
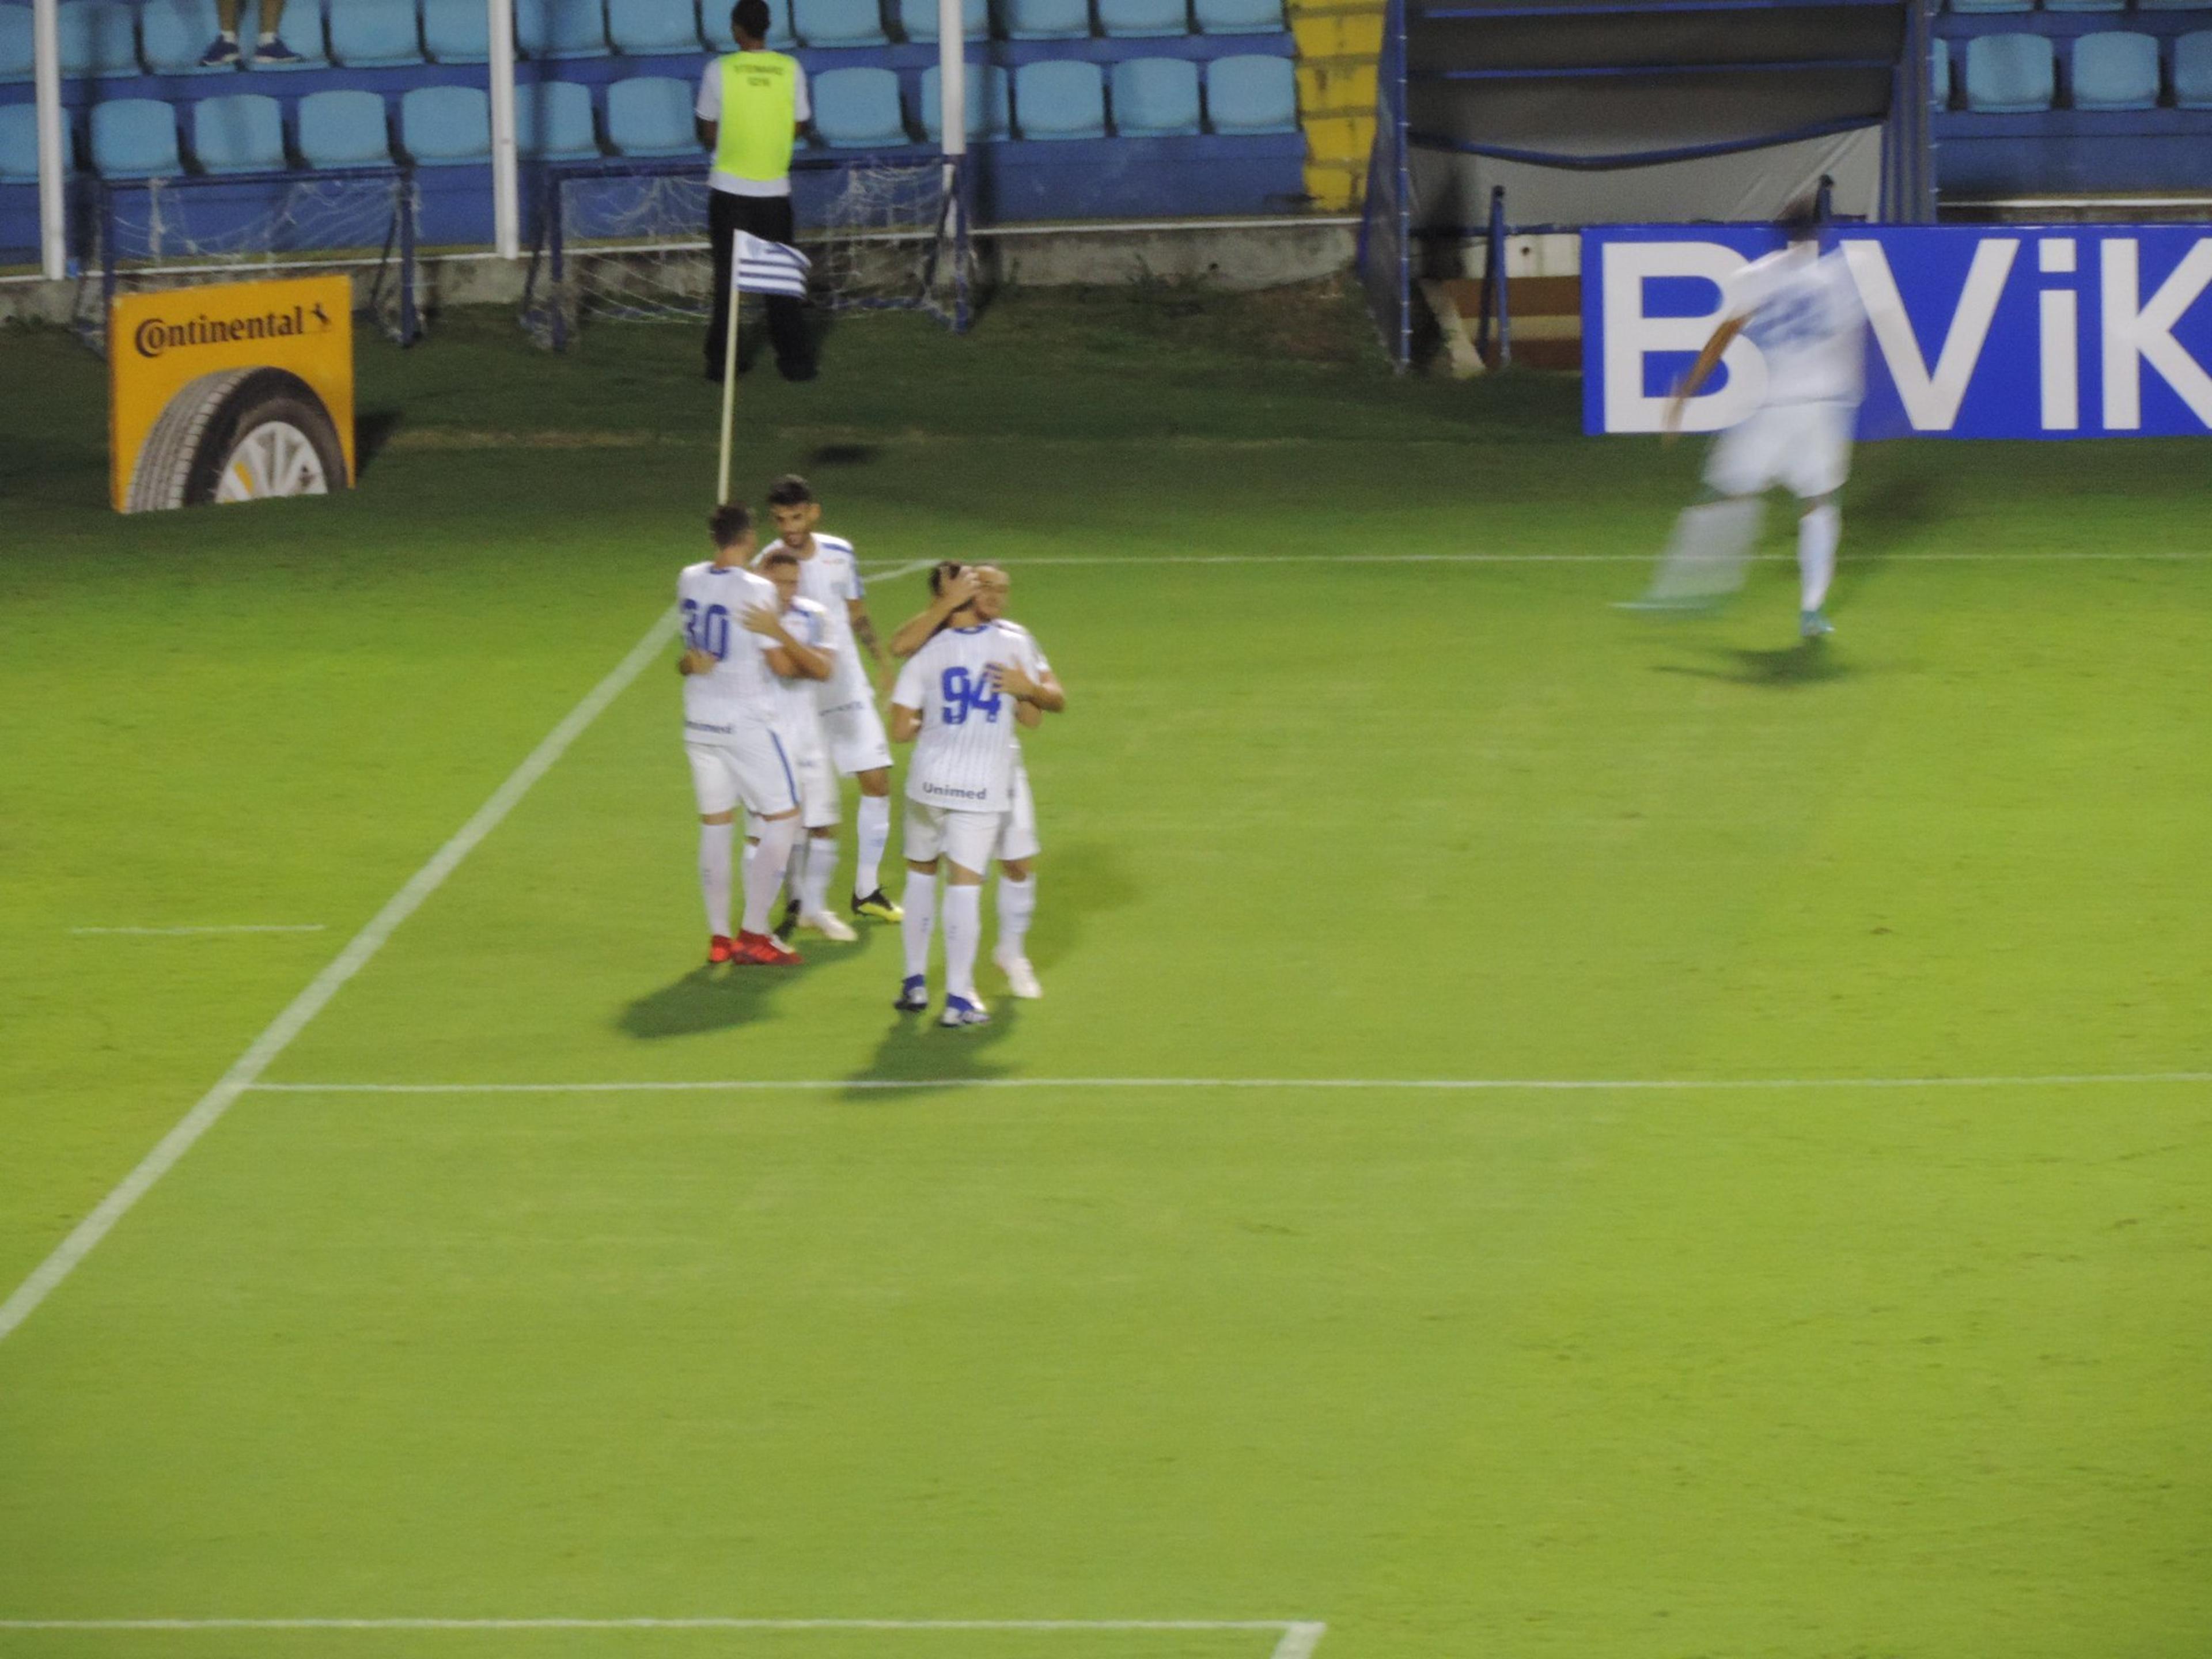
x,y
829,926
1021,978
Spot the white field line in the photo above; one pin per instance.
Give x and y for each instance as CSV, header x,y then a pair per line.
x,y
225,927
892,573
1298,1637
1471,1085
248,1066
1647,556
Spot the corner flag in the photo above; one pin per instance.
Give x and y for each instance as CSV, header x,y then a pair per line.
x,y
764,267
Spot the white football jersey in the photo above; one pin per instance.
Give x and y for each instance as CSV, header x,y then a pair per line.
x,y
809,624
741,688
963,756
1802,310
832,579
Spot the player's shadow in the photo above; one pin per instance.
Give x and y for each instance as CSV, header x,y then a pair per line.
x,y
717,998
1888,514
1808,662
921,1055
1075,882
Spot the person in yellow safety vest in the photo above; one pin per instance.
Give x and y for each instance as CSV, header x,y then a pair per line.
x,y
752,111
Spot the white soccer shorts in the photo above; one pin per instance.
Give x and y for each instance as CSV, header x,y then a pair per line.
x,y
967,839
1805,448
853,733
1017,834
818,790
747,767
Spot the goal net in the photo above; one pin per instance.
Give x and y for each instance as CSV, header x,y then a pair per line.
x,y
629,241
178,232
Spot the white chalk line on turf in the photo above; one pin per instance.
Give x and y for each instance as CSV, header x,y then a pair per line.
x,y
248,1066
1645,556
1495,1085
1297,1639
218,928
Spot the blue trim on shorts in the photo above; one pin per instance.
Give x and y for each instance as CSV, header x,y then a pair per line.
x,y
789,781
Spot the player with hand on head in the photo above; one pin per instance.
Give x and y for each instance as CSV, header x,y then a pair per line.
x,y
1801,308
814,856
830,576
958,699
735,648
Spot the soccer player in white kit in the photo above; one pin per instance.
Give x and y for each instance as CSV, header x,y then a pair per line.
x,y
736,645
958,699
806,879
829,575
1801,308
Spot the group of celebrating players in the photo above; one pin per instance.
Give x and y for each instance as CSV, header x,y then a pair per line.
x,y
777,708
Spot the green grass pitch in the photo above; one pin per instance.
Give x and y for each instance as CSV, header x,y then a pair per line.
x,y
1800,1368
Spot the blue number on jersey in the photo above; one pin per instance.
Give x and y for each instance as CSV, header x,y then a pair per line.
x,y
963,694
707,629
1790,323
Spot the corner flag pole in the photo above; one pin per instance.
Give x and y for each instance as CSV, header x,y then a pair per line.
x,y
729,382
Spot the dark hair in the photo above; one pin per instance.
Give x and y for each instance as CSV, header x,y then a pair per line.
x,y
941,573
730,523
1800,219
749,18
790,490
780,556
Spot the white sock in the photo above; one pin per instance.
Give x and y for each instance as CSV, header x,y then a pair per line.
x,y
1706,557
269,37
1818,532
821,864
794,867
1017,905
714,875
874,823
230,35
963,931
764,872
919,903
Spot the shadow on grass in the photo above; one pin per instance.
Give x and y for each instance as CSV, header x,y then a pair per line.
x,y
372,430
1083,879
1888,514
916,1049
717,998
1808,662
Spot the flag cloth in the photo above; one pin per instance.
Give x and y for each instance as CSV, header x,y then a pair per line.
x,y
764,267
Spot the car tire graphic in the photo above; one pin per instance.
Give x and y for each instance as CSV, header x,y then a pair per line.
x,y
240,434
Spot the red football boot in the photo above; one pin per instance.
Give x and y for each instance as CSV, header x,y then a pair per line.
x,y
765,950
720,948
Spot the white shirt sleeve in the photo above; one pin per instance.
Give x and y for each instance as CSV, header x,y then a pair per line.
x,y
907,692
855,587
1748,289
709,106
801,107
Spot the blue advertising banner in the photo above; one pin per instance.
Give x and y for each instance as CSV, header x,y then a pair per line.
x,y
1981,331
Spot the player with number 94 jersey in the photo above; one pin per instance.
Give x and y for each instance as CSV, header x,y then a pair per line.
x,y
963,755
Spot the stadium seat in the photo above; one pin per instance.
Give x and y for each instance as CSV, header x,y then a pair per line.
x,y
1239,16
98,38
651,115
343,129
1060,98
1144,20
918,20
1154,97
1044,20
1987,6
1939,74
2115,70
301,28
455,31
135,138
369,34
2171,5
553,122
653,28
173,34
2010,74
18,60
558,29
714,20
835,23
1252,94
19,143
2085,5
2192,70
990,103
858,109
243,132
446,126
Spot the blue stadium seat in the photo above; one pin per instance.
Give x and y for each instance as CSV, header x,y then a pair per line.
x,y
714,24
243,132
18,60
345,129
651,115
558,29
1044,20
653,28
838,22
1239,16
1154,97
301,28
99,38
990,103
1252,94
2171,5
2192,70
1060,98
453,31
19,143
135,138
918,20
1144,20
368,34
2115,70
1986,6
2085,5
2010,74
858,109
173,34
446,126
553,122
1939,74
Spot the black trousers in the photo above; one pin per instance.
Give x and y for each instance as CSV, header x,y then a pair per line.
x,y
770,218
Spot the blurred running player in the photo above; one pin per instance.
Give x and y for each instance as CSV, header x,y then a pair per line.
x,y
853,731
958,700
1801,308
735,646
814,856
